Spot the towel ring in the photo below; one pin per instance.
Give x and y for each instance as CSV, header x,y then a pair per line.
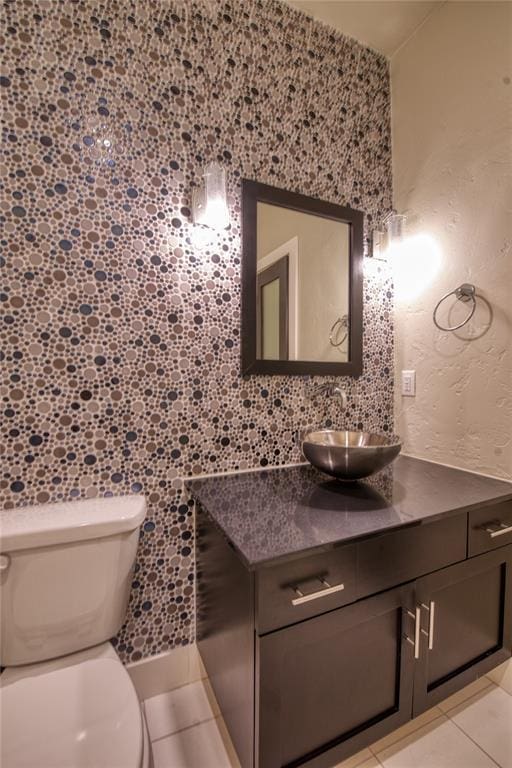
x,y
342,322
465,292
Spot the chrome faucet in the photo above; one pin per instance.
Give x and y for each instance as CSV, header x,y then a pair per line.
x,y
311,392
327,388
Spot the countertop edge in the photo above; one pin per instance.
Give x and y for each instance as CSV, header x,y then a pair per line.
x,y
256,565
269,562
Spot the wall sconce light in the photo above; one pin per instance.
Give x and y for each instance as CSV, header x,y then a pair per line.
x,y
395,227
209,202
383,242
377,249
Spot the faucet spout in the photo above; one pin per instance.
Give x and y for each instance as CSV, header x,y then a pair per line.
x,y
329,389
338,392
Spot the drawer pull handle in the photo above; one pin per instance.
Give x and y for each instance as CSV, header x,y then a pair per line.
x,y
417,625
302,598
497,528
431,608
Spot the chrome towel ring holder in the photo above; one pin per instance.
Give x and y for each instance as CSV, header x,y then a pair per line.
x,y
341,322
465,292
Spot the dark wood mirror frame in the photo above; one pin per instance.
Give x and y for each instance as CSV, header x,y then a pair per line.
x,y
253,193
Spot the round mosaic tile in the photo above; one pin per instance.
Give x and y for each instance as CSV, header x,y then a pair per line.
x,y
120,338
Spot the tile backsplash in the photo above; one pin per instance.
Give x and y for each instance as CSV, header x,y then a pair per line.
x,y
120,339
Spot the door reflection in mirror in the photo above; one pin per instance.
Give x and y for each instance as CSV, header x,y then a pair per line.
x,y
272,326
302,285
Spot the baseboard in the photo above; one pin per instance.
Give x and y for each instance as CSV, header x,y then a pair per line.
x,y
169,670
183,665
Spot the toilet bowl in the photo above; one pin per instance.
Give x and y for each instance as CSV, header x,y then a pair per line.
x,y
65,575
77,711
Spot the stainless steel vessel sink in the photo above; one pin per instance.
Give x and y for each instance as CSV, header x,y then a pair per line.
x,y
349,455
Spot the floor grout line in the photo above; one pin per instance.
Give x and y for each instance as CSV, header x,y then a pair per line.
x,y
374,754
475,743
491,684
499,686
363,760
186,728
407,735
447,717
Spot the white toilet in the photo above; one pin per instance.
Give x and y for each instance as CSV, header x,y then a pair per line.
x,y
66,701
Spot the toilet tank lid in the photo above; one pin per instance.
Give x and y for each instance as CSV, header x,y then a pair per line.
x,y
68,521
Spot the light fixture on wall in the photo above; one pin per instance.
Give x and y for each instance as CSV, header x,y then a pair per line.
x,y
395,227
377,245
209,202
384,242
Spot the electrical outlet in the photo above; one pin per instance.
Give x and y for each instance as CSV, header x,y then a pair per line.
x,y
409,383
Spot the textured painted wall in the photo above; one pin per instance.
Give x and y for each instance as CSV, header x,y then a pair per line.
x,y
452,163
120,340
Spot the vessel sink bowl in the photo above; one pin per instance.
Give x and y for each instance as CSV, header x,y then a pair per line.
x,y
349,455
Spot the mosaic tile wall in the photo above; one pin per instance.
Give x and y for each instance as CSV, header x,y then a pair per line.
x,y
120,339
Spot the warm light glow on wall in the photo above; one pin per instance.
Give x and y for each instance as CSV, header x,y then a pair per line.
x,y
415,262
376,268
202,237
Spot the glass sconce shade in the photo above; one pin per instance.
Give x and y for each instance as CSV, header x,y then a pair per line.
x,y
384,243
377,246
395,226
209,203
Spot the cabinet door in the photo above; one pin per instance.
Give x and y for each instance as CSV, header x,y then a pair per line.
x,y
332,683
466,627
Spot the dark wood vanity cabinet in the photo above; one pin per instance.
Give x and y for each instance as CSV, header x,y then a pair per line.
x,y
313,688
330,684
465,615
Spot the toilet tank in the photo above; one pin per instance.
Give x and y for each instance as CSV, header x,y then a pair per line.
x,y
65,575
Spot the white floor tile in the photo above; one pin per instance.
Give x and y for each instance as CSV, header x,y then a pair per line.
x,y
440,744
502,676
198,747
466,693
487,719
405,730
372,762
171,712
188,732
362,759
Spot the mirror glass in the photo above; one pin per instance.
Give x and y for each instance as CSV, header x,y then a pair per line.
x,y
302,286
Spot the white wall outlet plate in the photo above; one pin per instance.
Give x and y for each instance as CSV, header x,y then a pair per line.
x,y
409,383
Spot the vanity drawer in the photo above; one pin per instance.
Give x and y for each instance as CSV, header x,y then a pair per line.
x,y
309,586
490,527
400,556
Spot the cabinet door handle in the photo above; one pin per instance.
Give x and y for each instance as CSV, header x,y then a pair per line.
x,y
497,528
417,625
328,590
431,608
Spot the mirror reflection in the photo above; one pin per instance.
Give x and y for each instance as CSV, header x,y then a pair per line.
x,y
302,286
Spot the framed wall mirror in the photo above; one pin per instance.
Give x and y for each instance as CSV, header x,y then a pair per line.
x,y
302,286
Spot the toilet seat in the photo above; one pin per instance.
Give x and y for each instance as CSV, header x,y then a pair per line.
x,y
77,711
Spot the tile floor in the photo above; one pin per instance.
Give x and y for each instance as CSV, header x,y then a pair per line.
x,y
472,729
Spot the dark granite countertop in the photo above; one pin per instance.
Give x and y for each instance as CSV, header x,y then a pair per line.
x,y
278,514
